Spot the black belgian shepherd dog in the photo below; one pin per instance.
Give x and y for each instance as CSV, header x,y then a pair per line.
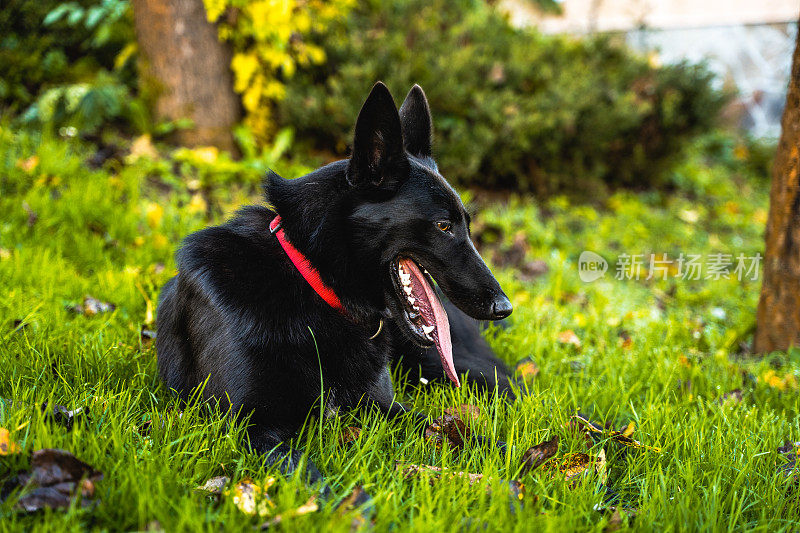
x,y
331,284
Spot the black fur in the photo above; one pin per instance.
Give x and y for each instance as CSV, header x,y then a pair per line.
x,y
240,317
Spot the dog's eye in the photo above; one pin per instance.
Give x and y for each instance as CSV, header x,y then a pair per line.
x,y
444,226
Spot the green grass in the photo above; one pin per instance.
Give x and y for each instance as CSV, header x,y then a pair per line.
x,y
112,233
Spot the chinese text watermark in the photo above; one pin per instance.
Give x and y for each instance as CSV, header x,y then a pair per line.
x,y
715,266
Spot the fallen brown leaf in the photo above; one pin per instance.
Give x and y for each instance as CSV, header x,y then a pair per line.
x,y
147,336
450,429
92,306
535,456
213,486
60,414
55,478
29,164
436,473
349,434
569,337
629,429
573,465
626,341
616,436
251,498
7,446
527,369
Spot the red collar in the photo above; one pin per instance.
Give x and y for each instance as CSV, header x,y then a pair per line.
x,y
305,267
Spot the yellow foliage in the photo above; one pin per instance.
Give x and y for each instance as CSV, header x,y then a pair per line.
x,y
154,213
771,378
267,39
7,445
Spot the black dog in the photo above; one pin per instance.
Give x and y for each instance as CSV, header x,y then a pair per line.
x,y
271,311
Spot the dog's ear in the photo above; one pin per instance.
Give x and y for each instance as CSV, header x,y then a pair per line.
x,y
378,159
415,117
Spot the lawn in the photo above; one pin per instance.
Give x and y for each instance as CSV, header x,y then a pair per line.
x,y
667,358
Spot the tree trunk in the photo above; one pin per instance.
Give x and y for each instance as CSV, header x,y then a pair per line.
x,y
778,322
187,70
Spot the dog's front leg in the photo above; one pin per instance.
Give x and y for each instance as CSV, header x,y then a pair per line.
x,y
276,452
265,442
381,397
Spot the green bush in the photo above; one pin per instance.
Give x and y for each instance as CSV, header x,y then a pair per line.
x,y
48,45
512,108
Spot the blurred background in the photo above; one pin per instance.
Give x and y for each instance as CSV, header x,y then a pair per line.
x,y
539,96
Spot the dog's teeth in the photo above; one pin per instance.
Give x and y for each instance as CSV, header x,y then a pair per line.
x,y
412,300
427,329
407,290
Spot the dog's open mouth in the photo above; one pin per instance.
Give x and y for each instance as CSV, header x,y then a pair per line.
x,y
424,315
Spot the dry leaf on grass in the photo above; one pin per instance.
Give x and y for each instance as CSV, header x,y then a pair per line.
x,y
29,164
616,436
92,306
252,498
7,446
450,429
349,435
628,430
436,473
213,486
569,337
55,478
60,414
573,465
535,456
526,369
147,336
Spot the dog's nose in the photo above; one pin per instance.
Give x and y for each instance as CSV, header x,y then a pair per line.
x,y
501,307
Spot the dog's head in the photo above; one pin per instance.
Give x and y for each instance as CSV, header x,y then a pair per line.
x,y
407,214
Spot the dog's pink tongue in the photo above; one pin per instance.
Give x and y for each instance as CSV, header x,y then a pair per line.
x,y
434,315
